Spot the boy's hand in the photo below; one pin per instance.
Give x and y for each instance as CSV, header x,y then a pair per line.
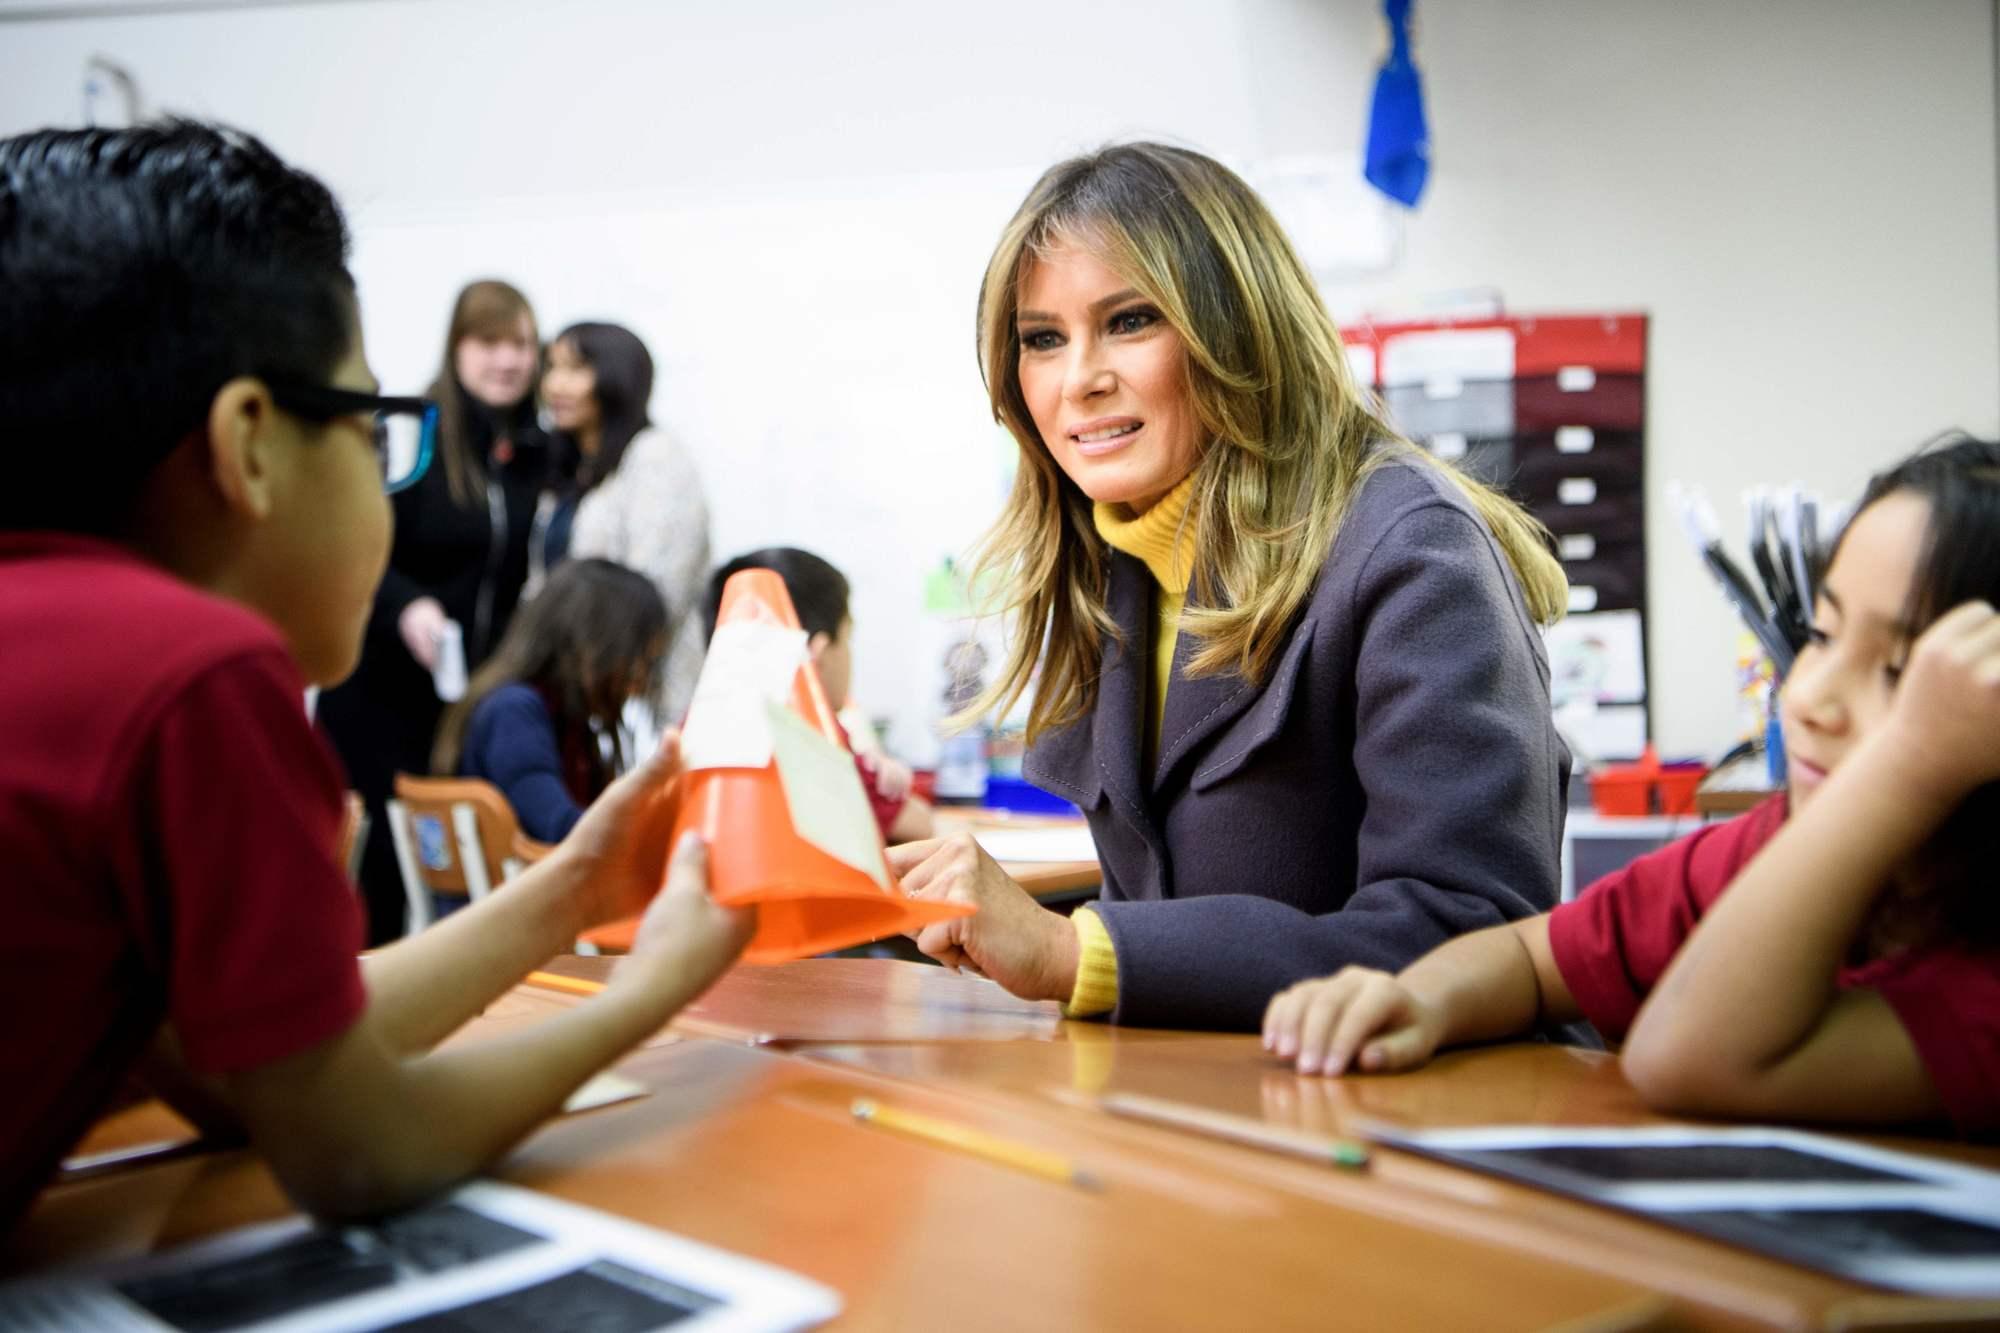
x,y
618,849
687,939
892,777
1945,720
1323,1023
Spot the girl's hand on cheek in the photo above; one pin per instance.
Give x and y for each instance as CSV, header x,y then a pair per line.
x,y
1946,714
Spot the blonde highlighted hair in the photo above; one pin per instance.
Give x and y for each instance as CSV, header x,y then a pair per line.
x,y
1289,433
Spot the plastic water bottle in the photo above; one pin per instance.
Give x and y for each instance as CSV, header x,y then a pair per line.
x,y
448,676
961,770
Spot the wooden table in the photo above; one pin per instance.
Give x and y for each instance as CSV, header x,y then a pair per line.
x,y
748,1143
1740,785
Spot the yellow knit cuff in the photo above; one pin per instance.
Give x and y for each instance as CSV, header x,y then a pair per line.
x,y
1096,990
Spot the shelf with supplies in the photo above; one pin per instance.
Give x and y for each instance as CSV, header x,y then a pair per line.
x,y
1550,409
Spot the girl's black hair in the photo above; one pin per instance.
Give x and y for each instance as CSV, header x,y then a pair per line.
x,y
624,371
141,269
1951,898
593,637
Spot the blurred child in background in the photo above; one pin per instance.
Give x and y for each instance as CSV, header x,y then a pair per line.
x,y
540,719
819,594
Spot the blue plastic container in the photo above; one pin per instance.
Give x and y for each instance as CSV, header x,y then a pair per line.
x,y
1024,797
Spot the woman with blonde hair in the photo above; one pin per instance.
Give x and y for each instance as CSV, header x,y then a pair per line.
x,y
1286,662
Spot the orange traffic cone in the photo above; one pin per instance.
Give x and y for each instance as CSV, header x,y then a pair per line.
x,y
771,786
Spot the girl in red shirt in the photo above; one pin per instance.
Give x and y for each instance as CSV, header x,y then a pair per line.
x,y
1852,970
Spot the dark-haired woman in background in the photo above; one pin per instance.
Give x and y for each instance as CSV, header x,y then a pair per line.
x,y
639,500
460,555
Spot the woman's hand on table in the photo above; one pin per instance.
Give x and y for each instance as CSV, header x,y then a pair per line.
x,y
1012,938
1357,1018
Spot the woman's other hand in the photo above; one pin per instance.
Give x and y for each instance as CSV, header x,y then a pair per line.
x,y
421,624
1321,1025
1012,939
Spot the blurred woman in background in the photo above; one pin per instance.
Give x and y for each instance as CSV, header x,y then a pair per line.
x,y
638,498
456,570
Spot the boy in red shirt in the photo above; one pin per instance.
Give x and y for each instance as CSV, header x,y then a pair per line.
x,y
191,534
1835,953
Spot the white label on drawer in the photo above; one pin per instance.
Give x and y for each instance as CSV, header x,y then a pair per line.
x,y
1575,439
1443,386
1576,379
1577,546
1576,490
1410,359
1582,597
1448,444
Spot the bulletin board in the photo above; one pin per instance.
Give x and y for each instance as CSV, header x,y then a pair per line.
x,y
1550,409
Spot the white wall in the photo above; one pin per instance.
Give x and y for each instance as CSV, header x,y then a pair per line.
x,y
1802,194
792,202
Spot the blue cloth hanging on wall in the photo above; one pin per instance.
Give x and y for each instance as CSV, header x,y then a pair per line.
x,y
1398,160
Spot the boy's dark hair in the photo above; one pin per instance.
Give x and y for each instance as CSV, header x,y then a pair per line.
x,y
594,636
819,591
140,270
1959,476
624,371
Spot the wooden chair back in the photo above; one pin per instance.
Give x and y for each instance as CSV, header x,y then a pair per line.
x,y
452,836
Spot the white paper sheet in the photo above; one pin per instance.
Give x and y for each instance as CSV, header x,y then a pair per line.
x,y
604,1090
823,792
547,1263
750,664
1067,842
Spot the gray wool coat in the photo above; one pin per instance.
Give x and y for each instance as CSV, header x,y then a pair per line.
x,y
1395,781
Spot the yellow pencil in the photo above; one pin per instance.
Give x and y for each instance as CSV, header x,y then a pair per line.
x,y
1047,1165
557,981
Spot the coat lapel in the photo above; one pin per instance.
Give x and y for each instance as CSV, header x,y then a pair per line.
x,y
1198,707
1120,736
1099,753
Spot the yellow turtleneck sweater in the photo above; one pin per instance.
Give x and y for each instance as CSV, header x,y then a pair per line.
x,y
1163,539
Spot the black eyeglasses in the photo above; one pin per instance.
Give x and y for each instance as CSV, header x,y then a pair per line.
x,y
404,429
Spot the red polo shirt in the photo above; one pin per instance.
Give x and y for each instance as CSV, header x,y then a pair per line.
x,y
168,820
1614,943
